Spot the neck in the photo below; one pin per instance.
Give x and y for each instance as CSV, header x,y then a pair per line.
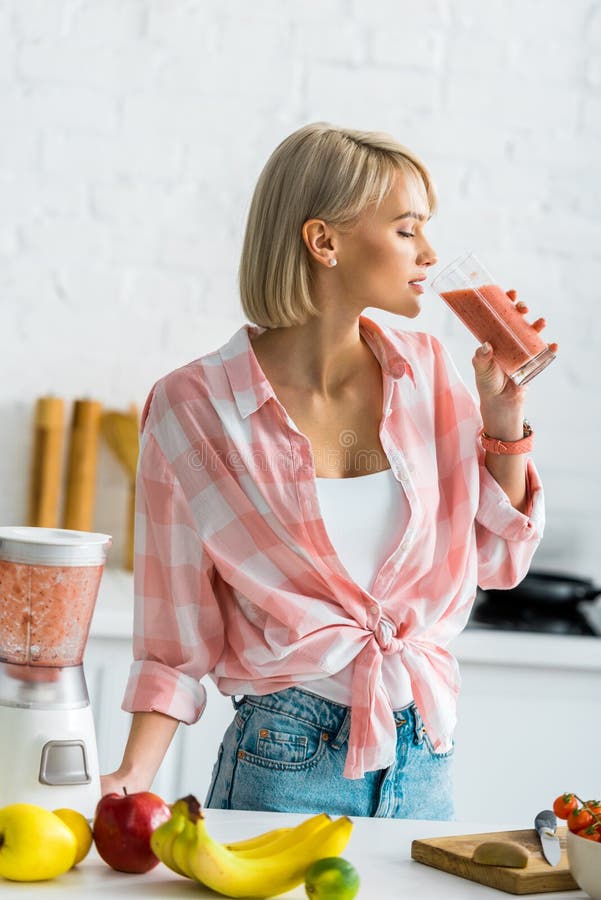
x,y
321,357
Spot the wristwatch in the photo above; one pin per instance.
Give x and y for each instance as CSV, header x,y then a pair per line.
x,y
509,448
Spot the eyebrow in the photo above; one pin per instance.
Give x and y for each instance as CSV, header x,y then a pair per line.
x,y
412,215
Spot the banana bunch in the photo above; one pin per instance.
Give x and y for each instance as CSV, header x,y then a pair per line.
x,y
262,866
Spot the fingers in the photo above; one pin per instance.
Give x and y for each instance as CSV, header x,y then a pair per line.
x,y
490,378
538,324
521,307
482,358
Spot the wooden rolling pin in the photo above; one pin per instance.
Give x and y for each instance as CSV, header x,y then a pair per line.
x,y
81,471
120,431
46,463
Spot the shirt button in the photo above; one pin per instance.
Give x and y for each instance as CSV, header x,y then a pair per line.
x,y
375,608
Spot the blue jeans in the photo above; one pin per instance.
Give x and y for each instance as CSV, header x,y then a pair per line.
x,y
285,752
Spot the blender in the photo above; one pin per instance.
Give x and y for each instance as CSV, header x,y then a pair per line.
x,y
49,580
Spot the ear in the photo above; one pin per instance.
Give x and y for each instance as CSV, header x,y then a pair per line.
x,y
320,241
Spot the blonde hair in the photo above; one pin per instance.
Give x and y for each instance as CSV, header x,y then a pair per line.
x,y
319,171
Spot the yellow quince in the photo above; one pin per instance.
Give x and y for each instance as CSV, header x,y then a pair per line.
x,y
80,828
34,843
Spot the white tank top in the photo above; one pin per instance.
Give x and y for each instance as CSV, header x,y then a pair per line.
x,y
364,517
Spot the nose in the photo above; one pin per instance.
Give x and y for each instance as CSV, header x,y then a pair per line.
x,y
427,254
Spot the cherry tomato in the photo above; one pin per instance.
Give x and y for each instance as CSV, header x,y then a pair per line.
x,y
590,833
579,820
563,806
594,806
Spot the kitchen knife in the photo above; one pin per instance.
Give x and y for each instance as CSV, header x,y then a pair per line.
x,y
546,826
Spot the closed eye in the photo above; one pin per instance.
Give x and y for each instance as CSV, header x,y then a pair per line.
x,y
406,234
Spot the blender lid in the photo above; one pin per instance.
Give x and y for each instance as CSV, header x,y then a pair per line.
x,y
53,546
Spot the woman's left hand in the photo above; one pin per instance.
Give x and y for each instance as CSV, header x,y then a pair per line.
x,y
501,400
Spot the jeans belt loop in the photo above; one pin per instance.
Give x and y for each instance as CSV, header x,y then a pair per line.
x,y
238,703
343,732
419,727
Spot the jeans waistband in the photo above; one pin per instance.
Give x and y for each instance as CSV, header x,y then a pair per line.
x,y
326,714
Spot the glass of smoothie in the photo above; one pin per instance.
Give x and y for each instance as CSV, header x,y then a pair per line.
x,y
484,307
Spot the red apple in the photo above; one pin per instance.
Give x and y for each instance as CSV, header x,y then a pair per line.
x,y
122,827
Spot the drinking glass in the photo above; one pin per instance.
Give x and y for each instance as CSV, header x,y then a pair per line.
x,y
484,307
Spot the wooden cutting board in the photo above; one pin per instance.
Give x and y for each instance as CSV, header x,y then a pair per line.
x,y
453,854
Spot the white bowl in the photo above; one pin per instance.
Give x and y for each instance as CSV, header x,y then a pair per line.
x,y
584,858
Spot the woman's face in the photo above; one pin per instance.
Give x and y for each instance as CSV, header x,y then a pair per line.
x,y
384,258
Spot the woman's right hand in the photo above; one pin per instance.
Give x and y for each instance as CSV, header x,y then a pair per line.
x,y
111,784
116,783
149,738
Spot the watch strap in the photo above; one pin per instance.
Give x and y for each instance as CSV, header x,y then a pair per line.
x,y
508,448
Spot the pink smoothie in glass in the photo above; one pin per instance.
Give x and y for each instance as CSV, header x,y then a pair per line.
x,y
491,316
46,612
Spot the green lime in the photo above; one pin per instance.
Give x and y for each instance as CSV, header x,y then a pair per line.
x,y
332,878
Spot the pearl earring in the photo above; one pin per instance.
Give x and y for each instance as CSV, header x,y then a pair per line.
x,y
333,262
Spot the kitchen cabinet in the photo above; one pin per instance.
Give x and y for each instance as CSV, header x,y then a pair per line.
x,y
528,715
380,850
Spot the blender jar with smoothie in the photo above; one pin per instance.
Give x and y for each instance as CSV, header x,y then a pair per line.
x,y
484,307
49,580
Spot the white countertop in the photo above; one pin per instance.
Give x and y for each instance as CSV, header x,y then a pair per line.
x,y
528,649
380,850
113,619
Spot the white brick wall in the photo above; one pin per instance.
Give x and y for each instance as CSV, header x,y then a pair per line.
x,y
133,133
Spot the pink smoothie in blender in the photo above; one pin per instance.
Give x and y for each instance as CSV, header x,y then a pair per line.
x,y
45,612
49,580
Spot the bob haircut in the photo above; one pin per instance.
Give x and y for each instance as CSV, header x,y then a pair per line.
x,y
322,172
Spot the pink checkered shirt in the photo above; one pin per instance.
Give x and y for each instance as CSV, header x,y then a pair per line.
x,y
235,575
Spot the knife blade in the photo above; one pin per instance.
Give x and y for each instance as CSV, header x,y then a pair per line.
x,y
545,824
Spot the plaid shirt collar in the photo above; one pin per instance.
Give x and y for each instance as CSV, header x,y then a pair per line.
x,y
251,396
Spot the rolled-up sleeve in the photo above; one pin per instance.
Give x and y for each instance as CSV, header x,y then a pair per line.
x,y
178,628
506,538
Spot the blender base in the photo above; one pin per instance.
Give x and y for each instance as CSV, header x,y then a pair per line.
x,y
49,757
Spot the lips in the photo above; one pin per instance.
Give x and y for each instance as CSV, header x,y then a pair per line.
x,y
417,285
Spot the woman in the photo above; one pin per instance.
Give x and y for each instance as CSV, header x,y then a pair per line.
x,y
315,505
